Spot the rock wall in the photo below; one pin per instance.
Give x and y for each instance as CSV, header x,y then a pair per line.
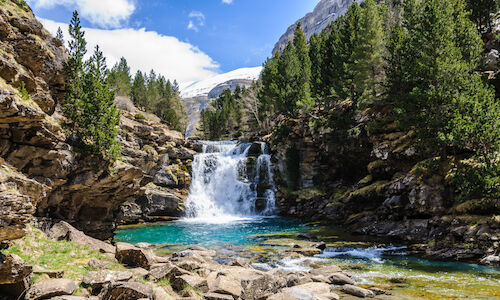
x,y
375,183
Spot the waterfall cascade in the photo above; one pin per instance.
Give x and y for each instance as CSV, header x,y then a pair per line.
x,y
231,181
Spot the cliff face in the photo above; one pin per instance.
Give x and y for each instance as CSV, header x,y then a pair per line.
x,y
323,14
374,182
40,174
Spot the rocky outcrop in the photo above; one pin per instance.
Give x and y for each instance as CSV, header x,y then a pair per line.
x,y
325,12
374,182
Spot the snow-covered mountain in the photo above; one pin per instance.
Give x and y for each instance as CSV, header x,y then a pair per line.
x,y
204,87
198,95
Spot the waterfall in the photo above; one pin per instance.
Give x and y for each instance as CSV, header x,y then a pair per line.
x,y
231,181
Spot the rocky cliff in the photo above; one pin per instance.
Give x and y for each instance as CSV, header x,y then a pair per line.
x,y
373,182
314,22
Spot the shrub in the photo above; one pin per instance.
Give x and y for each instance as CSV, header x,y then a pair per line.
x,y
476,180
139,116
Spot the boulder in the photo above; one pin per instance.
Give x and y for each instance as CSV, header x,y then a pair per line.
x,y
298,279
134,257
96,279
357,291
340,279
190,263
51,273
167,271
64,231
179,283
312,290
160,294
281,296
224,284
240,262
491,260
297,293
13,269
69,298
126,290
326,271
96,264
216,296
51,288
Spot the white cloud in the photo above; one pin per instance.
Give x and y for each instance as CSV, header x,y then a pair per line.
x,y
104,13
146,50
227,1
197,19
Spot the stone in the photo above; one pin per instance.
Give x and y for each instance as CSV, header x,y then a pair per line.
x,y
167,271
64,231
69,298
491,260
94,263
160,294
223,284
240,262
181,282
326,271
96,279
134,257
377,291
317,288
216,296
340,279
298,293
357,291
320,246
51,273
13,269
282,296
126,290
51,288
139,272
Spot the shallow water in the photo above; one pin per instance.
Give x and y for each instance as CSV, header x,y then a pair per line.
x,y
371,262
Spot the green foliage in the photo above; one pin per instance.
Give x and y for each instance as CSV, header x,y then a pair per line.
x,y
120,79
481,12
23,93
224,116
154,94
89,105
139,116
22,5
60,35
477,179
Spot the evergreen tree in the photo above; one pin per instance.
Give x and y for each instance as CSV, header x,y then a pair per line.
x,y
368,52
301,51
60,35
74,70
120,79
100,117
139,91
316,55
481,12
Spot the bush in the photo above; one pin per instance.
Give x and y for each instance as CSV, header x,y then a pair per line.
x,y
23,93
476,180
139,116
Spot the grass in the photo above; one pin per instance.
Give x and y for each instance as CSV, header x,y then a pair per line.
x,y
70,257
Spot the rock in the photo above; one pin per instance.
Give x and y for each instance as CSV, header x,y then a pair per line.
x,y
491,260
13,269
317,288
126,290
156,202
51,288
133,256
160,294
377,291
167,271
69,298
139,272
240,262
144,245
181,282
51,273
298,279
222,284
298,293
190,263
340,279
326,271
64,231
96,279
357,291
215,296
94,263
320,246
282,296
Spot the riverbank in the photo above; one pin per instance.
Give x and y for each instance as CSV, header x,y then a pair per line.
x,y
279,265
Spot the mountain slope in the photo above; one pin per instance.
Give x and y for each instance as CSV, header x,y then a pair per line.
x,y
323,14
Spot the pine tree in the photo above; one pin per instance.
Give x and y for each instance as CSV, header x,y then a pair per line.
x,y
74,70
120,79
481,12
368,53
301,51
60,35
316,55
139,91
100,117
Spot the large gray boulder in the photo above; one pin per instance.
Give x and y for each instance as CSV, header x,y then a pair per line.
x,y
51,288
64,231
96,279
133,256
126,290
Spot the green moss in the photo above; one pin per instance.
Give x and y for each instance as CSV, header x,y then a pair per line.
x,y
139,116
308,194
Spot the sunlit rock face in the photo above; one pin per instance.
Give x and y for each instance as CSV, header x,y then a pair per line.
x,y
323,14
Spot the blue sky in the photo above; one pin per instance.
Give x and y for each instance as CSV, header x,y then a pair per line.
x,y
220,35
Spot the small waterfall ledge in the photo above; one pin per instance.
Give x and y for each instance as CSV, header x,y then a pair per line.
x,y
231,182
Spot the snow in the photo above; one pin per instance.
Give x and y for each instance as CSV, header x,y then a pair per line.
x,y
203,87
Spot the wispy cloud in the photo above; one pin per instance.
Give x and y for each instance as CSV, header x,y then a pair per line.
x,y
103,13
197,20
227,1
146,50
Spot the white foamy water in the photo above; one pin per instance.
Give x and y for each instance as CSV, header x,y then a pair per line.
x,y
222,189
